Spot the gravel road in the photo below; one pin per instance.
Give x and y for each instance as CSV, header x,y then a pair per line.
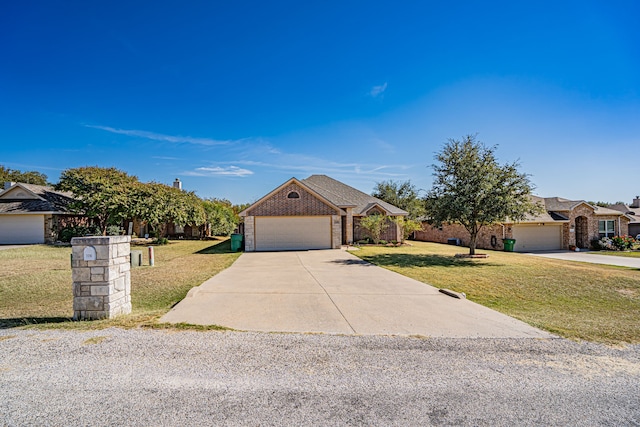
x,y
154,378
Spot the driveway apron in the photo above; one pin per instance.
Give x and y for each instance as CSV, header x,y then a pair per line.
x,y
332,291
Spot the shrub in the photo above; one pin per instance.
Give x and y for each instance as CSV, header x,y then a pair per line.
x,y
114,230
68,233
623,243
616,243
595,245
382,242
161,241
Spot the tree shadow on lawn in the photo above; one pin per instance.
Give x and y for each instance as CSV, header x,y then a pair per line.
x,y
411,260
26,321
218,248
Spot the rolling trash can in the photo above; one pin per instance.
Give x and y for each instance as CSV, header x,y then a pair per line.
x,y
236,242
508,244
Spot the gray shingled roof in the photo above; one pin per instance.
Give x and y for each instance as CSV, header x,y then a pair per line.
x,y
51,201
556,207
632,213
344,196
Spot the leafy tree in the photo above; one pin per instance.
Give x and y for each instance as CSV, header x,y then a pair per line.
x,y
375,224
401,194
407,226
159,204
221,217
472,189
31,177
102,193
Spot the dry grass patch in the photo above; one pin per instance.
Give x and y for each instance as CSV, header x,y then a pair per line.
x,y
35,283
575,300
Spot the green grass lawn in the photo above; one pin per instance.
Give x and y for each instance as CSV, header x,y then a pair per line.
x,y
574,300
35,283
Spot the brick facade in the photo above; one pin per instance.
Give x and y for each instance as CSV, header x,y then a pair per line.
x,y
579,231
281,205
430,233
583,222
390,233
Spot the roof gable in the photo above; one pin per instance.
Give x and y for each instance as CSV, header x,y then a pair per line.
x,y
19,191
346,196
23,198
307,202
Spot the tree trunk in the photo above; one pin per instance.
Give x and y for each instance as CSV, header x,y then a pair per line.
x,y
472,243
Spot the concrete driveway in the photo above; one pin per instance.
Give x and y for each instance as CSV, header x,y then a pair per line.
x,y
590,257
332,291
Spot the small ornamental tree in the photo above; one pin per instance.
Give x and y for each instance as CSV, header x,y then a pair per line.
x,y
374,224
472,189
407,226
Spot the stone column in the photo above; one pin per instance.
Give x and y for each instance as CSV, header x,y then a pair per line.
x,y
336,232
249,234
101,274
349,226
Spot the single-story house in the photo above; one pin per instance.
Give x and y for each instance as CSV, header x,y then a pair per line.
x,y
632,212
318,212
33,213
564,223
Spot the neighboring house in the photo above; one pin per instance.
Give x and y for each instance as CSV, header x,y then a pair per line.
x,y
314,213
564,223
632,212
33,213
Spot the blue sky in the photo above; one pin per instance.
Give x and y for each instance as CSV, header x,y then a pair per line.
x,y
234,98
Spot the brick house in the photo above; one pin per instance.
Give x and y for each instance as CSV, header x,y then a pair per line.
x,y
318,212
34,213
632,212
564,223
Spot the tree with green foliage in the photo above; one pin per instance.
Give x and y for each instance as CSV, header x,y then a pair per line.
x,y
159,204
221,217
407,226
401,194
30,177
375,224
103,194
471,188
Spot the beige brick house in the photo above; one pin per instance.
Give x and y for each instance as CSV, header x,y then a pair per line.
x,y
318,212
33,213
564,223
632,212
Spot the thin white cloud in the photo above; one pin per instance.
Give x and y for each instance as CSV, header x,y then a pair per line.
x,y
160,137
312,165
165,158
217,171
377,91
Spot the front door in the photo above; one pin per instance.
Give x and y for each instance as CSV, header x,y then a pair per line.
x,y
582,232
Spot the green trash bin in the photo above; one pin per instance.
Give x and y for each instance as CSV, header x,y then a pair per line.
x,y
508,244
236,242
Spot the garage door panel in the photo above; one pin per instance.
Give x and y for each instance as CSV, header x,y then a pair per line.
x,y
292,233
537,237
21,229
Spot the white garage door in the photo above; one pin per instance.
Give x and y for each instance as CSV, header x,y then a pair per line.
x,y
21,229
293,233
537,237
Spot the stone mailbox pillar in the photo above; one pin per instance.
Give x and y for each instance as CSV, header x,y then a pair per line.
x,y
101,274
